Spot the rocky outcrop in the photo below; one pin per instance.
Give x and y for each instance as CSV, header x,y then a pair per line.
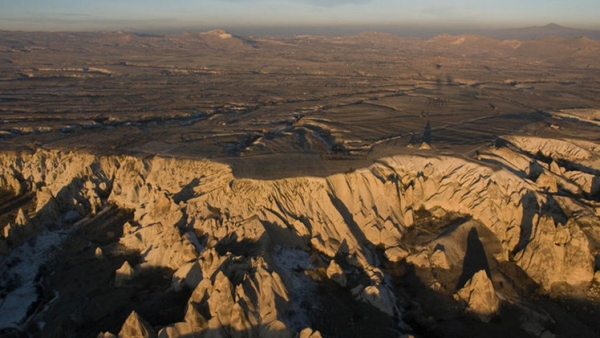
x,y
335,273
439,259
480,296
309,333
124,274
218,234
164,246
136,327
16,232
557,254
106,335
189,275
98,253
243,299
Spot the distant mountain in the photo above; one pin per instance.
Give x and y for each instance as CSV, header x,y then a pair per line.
x,y
218,33
536,32
219,38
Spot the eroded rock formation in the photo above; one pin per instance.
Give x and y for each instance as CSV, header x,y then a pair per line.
x,y
251,251
479,293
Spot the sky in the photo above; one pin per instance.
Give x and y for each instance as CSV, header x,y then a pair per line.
x,y
207,14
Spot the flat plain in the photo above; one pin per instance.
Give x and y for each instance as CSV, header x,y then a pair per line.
x,y
248,101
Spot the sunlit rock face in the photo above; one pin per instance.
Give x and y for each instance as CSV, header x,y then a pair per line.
x,y
136,326
261,258
479,293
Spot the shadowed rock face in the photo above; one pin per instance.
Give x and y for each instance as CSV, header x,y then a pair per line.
x,y
257,256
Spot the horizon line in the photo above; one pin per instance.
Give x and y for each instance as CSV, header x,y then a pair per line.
x,y
401,30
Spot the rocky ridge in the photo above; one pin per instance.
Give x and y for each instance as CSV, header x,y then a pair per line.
x,y
255,255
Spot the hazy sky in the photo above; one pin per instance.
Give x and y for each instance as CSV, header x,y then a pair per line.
x,y
158,14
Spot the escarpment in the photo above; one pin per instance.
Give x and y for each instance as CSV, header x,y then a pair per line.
x,y
296,257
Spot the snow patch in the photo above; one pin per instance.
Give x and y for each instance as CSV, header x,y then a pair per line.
x,y
21,266
302,289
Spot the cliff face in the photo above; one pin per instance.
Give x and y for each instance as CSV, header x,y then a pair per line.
x,y
256,255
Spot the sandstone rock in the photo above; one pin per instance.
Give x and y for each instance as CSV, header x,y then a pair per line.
x,y
344,215
439,259
396,254
9,182
22,219
188,275
210,261
335,273
136,327
378,297
438,212
597,276
555,168
98,253
548,182
420,259
409,217
558,254
274,329
129,229
556,149
164,246
480,295
103,187
268,287
10,232
202,291
124,274
239,321
220,301
19,230
106,335
162,209
196,321
581,182
47,206
309,333
180,329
